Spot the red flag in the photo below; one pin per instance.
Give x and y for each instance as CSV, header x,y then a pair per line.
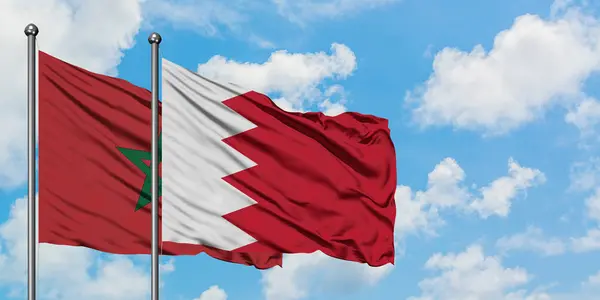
x,y
295,182
90,193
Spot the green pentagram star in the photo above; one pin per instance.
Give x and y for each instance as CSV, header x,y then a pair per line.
x,y
137,157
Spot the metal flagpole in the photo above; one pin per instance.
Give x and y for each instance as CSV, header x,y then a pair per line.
x,y
31,32
154,41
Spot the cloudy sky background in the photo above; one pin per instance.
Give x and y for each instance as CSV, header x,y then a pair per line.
x,y
493,107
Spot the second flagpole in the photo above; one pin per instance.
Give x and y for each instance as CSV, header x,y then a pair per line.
x,y
154,41
31,31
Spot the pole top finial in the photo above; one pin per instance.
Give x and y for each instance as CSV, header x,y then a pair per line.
x,y
154,38
31,29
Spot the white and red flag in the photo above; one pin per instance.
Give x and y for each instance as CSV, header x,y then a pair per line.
x,y
241,175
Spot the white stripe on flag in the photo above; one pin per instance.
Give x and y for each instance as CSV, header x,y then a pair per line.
x,y
194,159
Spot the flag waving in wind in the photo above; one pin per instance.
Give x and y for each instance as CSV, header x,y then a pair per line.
x,y
94,178
241,179
240,174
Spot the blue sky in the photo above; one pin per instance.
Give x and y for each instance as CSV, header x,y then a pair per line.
x,y
492,105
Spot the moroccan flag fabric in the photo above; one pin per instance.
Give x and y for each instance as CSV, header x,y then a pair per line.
x,y
94,174
241,174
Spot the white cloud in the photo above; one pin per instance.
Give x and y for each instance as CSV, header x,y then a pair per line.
x,y
305,273
593,280
470,275
417,215
496,197
444,185
585,175
586,117
213,293
167,267
533,240
296,77
301,11
592,204
218,18
589,289
204,16
524,295
534,65
446,190
212,18
67,273
91,34
331,106
591,240
560,6
420,212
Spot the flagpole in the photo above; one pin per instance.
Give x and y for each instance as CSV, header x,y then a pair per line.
x,y
154,41
31,31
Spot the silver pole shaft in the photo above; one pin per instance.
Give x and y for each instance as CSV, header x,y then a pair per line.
x,y
31,32
154,41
